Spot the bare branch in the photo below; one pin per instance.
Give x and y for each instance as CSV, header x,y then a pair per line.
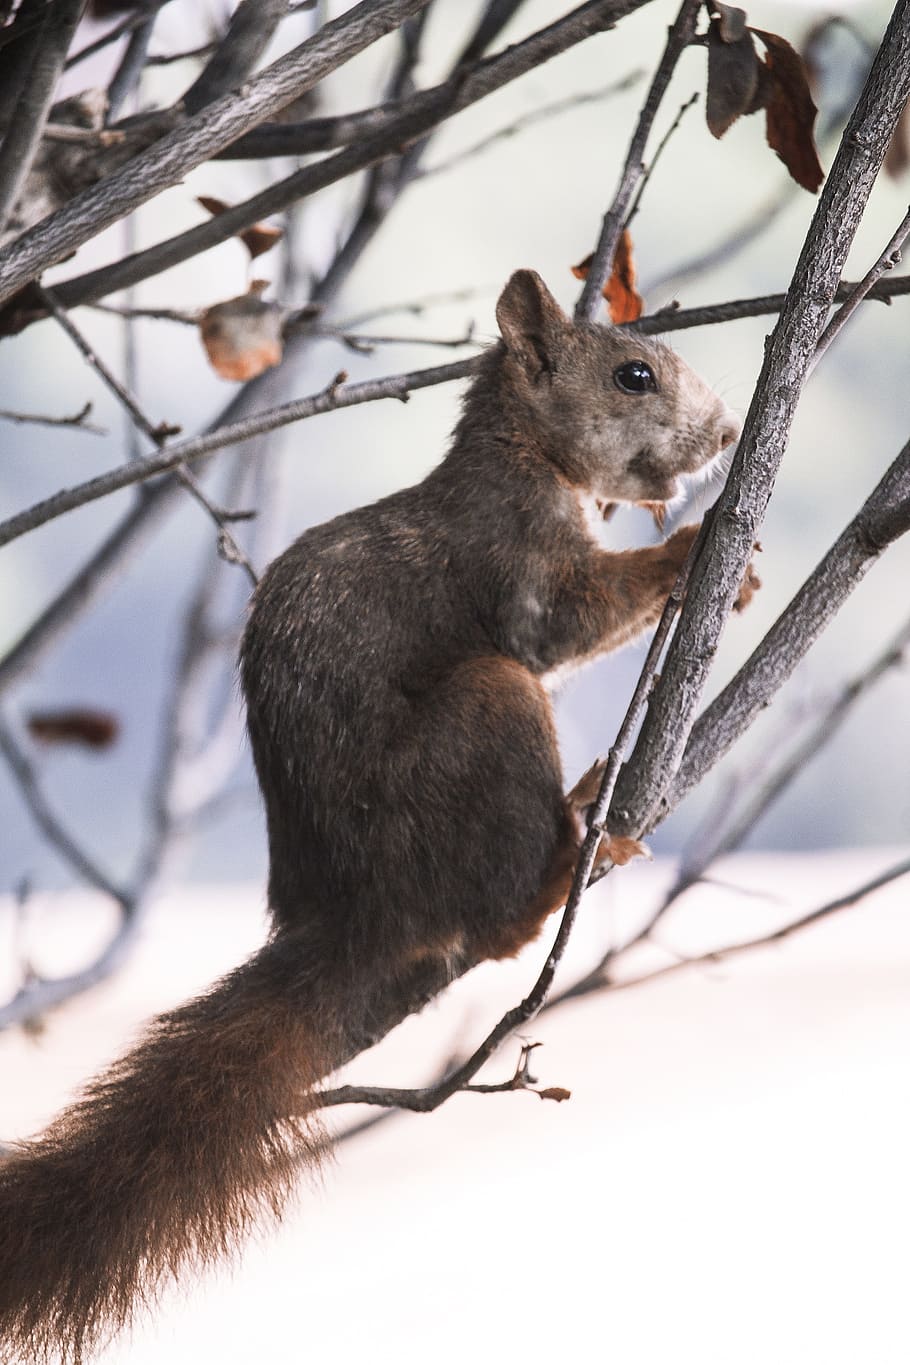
x,y
239,52
675,319
680,36
821,912
77,420
328,400
23,134
176,153
157,433
421,114
719,571
884,517
728,833
890,257
525,121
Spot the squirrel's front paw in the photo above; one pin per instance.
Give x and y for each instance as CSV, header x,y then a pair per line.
x,y
750,584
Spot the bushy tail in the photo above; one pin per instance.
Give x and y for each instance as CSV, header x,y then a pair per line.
x,y
168,1157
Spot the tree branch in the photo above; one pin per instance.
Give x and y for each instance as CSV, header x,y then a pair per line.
x,y
884,517
158,433
680,36
719,571
422,113
890,257
239,52
23,133
176,153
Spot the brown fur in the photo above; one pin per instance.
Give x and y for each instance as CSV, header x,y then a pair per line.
x,y
394,667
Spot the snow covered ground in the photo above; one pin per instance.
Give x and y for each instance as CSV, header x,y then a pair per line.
x,y
728,1183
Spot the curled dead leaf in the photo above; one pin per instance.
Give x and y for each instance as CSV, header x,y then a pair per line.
x,y
243,336
258,239
790,111
75,725
624,301
555,1092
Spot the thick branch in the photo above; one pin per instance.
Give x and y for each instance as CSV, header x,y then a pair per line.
x,y
719,571
238,54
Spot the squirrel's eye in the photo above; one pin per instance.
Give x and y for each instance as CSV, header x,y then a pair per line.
x,y
635,376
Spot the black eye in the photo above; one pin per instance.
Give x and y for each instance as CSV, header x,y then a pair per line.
x,y
635,376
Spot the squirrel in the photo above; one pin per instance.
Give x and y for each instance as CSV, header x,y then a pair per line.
x,y
395,666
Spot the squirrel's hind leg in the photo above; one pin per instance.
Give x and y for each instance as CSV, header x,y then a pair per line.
x,y
557,882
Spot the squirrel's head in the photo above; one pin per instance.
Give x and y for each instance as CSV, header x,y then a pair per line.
x,y
619,413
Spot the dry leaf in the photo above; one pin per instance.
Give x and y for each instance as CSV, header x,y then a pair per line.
x,y
733,71
897,157
76,725
626,304
790,111
258,239
243,336
555,1092
624,301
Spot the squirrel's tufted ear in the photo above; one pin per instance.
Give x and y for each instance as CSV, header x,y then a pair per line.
x,y
532,324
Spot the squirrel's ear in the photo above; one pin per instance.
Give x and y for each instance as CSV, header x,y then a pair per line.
x,y
532,324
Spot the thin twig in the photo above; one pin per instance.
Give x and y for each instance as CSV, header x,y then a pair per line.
x,y
132,21
680,35
658,153
329,399
158,434
821,912
77,420
890,257
525,121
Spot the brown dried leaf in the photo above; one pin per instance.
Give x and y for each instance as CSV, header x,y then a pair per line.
x,y
625,303
258,239
790,111
733,71
897,157
242,336
555,1092
580,271
75,725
